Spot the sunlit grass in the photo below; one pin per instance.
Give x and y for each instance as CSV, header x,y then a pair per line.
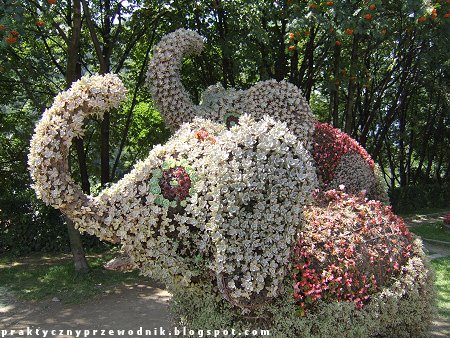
x,y
442,269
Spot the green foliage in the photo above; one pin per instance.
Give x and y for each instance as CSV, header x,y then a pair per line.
x,y
38,278
413,198
26,225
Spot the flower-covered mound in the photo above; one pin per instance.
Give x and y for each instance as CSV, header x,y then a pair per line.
x,y
216,213
347,250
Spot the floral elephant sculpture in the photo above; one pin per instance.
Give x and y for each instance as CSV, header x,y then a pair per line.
x,y
216,211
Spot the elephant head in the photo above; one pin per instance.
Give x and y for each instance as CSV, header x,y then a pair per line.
x,y
212,205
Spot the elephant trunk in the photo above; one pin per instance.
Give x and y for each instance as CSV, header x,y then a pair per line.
x,y
170,96
49,148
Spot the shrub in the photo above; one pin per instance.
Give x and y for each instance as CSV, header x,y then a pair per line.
x,y
347,250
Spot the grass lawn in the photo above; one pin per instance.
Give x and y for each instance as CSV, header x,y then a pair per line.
x,y
435,231
442,268
34,279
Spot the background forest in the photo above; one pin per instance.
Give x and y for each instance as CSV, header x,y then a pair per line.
x,y
379,70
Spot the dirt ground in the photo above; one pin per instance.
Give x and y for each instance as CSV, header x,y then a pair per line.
x,y
128,307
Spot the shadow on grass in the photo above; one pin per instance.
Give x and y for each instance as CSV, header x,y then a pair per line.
x,y
37,279
434,231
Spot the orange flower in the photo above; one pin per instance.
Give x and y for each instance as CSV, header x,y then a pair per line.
x,y
2,27
312,6
446,16
368,17
338,42
40,23
329,3
372,7
51,2
14,33
349,31
306,33
291,36
291,48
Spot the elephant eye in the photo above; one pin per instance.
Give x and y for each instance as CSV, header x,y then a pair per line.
x,y
231,119
173,183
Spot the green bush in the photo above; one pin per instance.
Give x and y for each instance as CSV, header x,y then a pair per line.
x,y
413,198
27,225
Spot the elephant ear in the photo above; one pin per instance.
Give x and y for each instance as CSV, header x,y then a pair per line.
x,y
284,102
49,148
260,191
163,75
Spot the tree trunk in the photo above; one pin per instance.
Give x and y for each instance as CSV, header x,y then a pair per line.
x,y
351,87
334,95
73,73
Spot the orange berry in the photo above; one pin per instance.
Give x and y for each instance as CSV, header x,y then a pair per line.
x,y
338,42
372,7
291,48
40,23
2,27
368,17
349,31
434,14
10,39
312,6
422,19
51,2
291,36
